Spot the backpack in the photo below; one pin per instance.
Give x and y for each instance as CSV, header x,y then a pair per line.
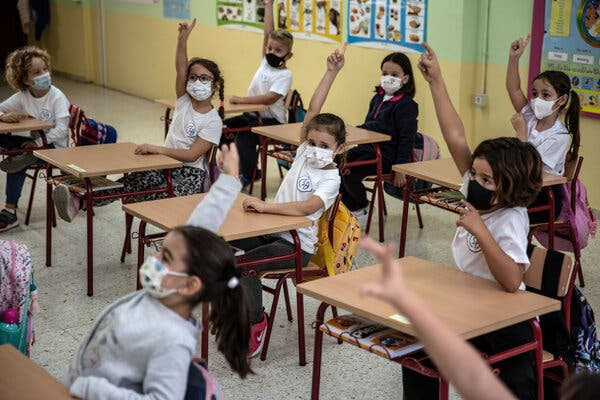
x,y
583,221
337,257
425,149
94,132
583,334
202,385
17,292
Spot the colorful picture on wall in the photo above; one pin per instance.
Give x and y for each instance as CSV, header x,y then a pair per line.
x,y
572,44
241,14
388,24
179,9
310,19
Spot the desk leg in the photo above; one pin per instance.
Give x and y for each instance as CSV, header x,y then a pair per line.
x,y
263,165
140,254
316,375
205,329
90,237
49,214
405,205
167,173
299,300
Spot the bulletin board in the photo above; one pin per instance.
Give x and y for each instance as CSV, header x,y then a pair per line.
x,y
566,37
241,14
310,19
388,24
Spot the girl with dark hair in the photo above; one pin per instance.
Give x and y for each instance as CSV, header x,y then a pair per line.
x,y
392,111
195,129
308,189
500,178
537,121
142,345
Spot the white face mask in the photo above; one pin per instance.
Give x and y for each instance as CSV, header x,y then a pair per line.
x,y
198,90
318,157
390,84
542,108
152,273
42,82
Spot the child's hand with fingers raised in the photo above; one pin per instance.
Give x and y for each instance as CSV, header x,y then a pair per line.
x,y
391,283
229,160
185,29
520,125
518,47
429,65
336,60
470,219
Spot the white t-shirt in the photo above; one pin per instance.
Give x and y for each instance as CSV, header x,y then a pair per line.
x,y
509,228
51,107
188,124
300,183
268,79
552,144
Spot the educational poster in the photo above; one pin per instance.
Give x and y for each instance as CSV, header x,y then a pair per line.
x,y
241,14
310,19
179,9
389,24
572,44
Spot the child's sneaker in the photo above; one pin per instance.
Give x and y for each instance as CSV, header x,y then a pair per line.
x,y
8,220
66,203
257,337
362,215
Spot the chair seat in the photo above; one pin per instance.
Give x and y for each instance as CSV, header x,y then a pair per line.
x,y
384,178
557,221
547,356
311,267
370,336
77,185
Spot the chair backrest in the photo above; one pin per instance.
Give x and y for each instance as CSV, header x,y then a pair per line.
x,y
550,272
76,117
572,169
295,107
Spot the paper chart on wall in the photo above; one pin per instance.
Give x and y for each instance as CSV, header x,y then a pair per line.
x,y
310,19
178,9
388,24
572,45
241,14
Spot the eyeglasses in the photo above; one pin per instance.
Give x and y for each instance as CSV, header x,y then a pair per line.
x,y
202,78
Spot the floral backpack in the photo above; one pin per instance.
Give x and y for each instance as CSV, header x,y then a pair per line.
x,y
583,334
17,293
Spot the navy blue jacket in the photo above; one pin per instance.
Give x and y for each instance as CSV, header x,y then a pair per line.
x,y
396,117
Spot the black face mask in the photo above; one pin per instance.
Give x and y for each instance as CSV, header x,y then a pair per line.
x,y
274,60
479,196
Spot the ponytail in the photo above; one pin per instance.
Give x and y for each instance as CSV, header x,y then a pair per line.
x,y
572,124
212,260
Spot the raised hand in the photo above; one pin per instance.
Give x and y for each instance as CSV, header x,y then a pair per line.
x,y
518,47
185,29
229,160
391,283
336,60
429,65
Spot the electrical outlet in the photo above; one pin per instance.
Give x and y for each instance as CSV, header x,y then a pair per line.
x,y
480,99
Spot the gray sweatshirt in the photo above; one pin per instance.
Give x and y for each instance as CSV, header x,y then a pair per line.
x,y
138,348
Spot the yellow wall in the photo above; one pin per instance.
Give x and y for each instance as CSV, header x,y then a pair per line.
x,y
140,60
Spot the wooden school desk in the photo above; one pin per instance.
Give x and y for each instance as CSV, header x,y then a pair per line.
x,y
21,378
29,124
291,134
99,160
449,293
228,108
443,172
239,224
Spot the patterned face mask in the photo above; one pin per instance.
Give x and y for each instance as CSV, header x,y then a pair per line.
x,y
152,273
318,157
42,82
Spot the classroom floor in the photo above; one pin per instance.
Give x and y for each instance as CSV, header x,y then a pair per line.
x,y
67,313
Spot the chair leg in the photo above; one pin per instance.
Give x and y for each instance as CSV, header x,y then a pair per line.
x,y
277,291
280,170
127,241
31,193
286,296
419,215
335,315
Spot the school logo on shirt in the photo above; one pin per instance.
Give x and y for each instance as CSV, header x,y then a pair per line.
x,y
304,184
473,244
265,77
190,130
45,114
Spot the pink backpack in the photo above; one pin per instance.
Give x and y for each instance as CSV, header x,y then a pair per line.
x,y
583,220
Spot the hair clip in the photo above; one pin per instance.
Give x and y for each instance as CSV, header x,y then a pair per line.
x,y
233,282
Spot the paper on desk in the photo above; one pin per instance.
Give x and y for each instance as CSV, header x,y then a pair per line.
x,y
400,318
76,167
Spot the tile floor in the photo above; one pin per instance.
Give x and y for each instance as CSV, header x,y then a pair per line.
x,y
67,313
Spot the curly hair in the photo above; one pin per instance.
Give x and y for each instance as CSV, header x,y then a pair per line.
x,y
217,75
18,63
517,170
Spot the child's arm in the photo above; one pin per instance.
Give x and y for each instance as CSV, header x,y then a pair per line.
x,y
513,81
335,62
504,269
456,359
292,208
199,147
213,209
181,59
10,109
269,25
267,98
449,120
